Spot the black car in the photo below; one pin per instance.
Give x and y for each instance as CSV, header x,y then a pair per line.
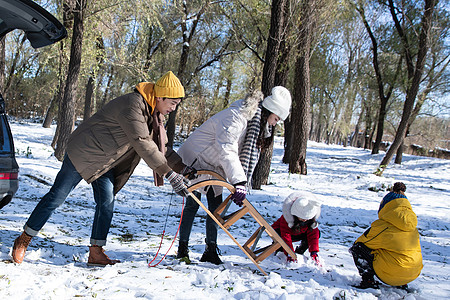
x,y
41,29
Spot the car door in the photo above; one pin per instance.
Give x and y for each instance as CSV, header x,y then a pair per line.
x,y
41,27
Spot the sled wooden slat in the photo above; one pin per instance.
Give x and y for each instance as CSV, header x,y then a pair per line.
x,y
254,237
232,218
277,241
225,221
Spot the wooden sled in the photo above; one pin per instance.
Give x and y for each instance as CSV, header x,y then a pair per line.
x,y
225,221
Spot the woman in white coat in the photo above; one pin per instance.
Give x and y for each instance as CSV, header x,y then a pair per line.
x,y
229,144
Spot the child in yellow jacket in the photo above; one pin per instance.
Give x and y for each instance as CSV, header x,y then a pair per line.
x,y
390,248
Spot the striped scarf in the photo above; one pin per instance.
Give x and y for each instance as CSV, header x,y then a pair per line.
x,y
250,152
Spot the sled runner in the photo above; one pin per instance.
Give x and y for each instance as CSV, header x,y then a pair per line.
x,y
219,216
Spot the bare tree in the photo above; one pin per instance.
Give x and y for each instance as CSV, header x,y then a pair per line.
x,y
184,73
383,95
277,26
434,75
14,65
66,113
300,116
415,72
62,68
56,99
89,102
187,35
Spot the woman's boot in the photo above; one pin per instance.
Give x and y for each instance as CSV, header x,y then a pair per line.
x,y
211,255
183,250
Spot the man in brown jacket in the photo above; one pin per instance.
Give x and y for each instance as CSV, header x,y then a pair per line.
x,y
104,150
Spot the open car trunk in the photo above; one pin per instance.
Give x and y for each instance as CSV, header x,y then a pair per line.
x,y
41,28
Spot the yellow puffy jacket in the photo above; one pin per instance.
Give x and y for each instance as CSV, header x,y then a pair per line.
x,y
395,244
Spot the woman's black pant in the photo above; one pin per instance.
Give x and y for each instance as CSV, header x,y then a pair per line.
x,y
363,258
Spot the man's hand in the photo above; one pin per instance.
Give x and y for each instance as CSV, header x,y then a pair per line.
x,y
178,183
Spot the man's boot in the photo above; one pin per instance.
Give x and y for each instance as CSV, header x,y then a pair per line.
x,y
97,257
183,250
211,255
20,247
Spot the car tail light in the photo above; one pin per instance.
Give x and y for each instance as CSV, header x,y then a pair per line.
x,y
8,175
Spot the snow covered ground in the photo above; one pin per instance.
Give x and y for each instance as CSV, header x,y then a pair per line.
x,y
55,264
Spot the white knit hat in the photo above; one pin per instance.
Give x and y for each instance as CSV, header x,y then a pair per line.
x,y
279,102
306,207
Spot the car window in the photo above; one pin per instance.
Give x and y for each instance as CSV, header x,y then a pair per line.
x,y
5,138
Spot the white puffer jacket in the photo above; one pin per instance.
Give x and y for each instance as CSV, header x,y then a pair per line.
x,y
216,144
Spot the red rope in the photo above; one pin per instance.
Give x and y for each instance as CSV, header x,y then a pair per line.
x,y
162,237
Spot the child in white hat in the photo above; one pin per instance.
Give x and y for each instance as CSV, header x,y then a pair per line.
x,y
299,223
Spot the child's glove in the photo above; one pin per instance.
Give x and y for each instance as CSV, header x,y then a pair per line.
x,y
315,258
290,259
239,195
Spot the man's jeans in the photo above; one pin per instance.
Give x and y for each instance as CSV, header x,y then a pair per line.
x,y
191,209
66,180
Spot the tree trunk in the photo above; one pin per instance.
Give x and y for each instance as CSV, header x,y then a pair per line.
x,y
187,37
420,101
367,141
384,97
318,133
287,140
300,116
56,100
414,75
261,173
88,105
108,84
52,108
12,69
380,126
354,138
371,137
226,99
66,113
90,99
277,24
399,155
281,78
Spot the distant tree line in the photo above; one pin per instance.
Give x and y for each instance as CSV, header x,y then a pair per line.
x,y
360,71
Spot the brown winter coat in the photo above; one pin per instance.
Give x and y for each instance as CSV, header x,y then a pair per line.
x,y
118,136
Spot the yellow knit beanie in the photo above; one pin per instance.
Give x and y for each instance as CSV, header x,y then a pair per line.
x,y
169,86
